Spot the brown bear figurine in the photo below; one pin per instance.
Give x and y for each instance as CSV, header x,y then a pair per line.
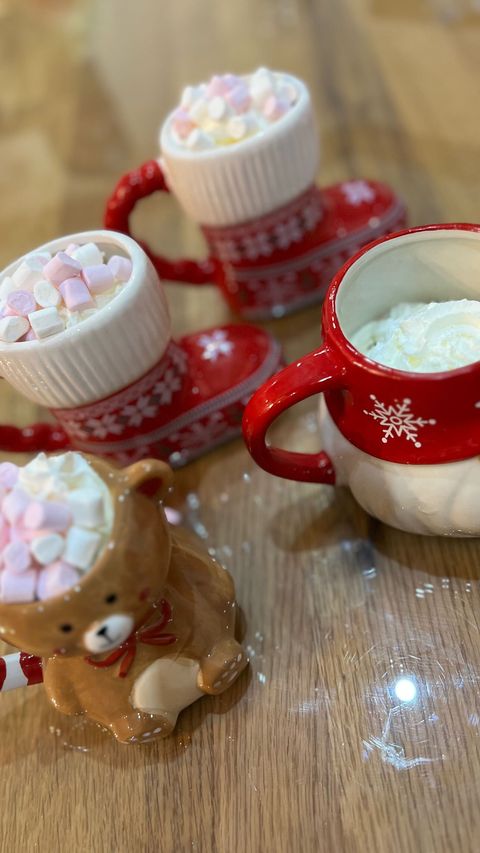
x,y
148,629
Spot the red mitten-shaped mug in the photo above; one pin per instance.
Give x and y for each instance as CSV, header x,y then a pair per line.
x,y
241,155
85,331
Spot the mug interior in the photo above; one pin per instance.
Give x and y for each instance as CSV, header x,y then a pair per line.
x,y
424,266
108,242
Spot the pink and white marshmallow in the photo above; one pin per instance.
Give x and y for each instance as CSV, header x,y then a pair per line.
x,y
16,557
46,295
56,515
56,580
76,295
60,267
209,114
18,588
50,515
98,278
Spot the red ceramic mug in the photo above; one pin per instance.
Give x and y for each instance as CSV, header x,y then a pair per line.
x,y
407,444
120,386
274,238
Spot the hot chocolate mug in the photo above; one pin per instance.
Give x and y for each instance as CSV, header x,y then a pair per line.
x,y
407,444
274,238
121,387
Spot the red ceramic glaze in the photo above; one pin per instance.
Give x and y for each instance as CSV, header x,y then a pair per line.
x,y
187,404
280,262
409,418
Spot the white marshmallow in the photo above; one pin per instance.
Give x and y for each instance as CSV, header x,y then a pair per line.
x,y
48,548
46,295
6,287
13,328
288,91
241,126
87,507
262,85
44,257
88,255
188,97
46,322
218,108
197,140
29,272
81,547
199,111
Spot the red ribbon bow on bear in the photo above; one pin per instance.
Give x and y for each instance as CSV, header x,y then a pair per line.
x,y
152,636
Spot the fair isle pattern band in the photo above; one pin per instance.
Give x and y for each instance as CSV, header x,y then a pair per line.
x,y
139,421
281,288
124,408
262,237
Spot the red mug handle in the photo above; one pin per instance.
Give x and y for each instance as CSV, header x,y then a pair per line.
x,y
131,188
312,374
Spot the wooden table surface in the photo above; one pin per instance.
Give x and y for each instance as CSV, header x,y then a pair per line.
x,y
311,750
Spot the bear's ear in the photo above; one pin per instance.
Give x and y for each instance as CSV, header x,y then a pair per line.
x,y
150,477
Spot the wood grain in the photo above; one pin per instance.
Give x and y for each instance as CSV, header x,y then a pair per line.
x,y
311,750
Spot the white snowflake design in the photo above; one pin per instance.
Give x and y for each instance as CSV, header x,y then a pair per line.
x,y
200,434
178,357
138,411
397,419
274,291
257,245
228,250
167,387
288,232
215,344
101,427
356,192
312,214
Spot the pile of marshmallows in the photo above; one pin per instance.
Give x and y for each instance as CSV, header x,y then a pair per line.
x,y
55,519
230,108
47,294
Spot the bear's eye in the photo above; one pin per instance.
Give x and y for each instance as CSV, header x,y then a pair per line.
x,y
66,628
111,599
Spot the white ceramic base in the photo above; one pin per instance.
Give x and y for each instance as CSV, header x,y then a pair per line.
x,y
429,499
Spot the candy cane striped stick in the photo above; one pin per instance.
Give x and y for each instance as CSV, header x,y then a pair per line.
x,y
19,670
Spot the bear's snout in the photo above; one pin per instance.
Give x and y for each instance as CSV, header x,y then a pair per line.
x,y
106,634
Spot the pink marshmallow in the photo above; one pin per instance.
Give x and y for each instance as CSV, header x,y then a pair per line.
x,y
8,474
220,85
17,588
30,336
55,579
275,107
16,557
216,86
4,534
72,247
232,80
98,278
182,123
121,268
239,98
76,294
14,505
21,534
21,302
47,514
61,267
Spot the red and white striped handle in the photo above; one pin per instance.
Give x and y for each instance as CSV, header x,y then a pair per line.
x,y
20,670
